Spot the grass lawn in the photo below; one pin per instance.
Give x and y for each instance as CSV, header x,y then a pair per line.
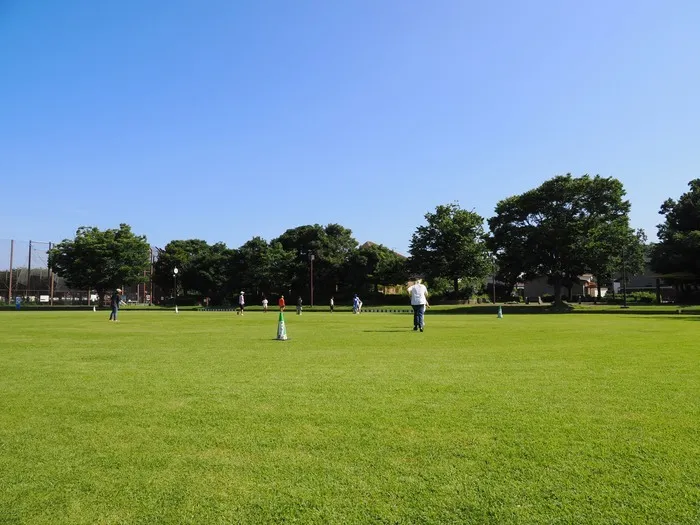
x,y
203,417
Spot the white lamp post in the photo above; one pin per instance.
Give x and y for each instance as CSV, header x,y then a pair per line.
x,y
175,271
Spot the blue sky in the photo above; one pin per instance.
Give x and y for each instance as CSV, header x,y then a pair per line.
x,y
222,120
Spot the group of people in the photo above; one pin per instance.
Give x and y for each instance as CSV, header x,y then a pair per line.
x,y
417,291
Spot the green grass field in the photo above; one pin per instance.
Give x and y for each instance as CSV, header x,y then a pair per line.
x,y
205,418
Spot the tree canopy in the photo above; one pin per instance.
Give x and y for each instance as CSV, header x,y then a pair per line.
x,y
101,259
451,245
562,229
566,227
677,254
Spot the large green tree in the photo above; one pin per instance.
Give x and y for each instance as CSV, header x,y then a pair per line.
x,y
677,254
203,269
101,259
262,268
332,247
451,245
373,265
564,228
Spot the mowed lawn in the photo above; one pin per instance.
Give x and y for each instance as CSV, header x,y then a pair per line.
x,y
205,418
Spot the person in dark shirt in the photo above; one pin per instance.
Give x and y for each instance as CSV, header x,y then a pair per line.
x,y
114,302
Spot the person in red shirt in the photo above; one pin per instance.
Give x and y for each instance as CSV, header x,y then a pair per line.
x,y
281,303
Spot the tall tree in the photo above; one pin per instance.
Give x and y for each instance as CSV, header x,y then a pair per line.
x,y
180,254
561,229
203,269
451,245
677,254
263,267
101,260
332,246
373,265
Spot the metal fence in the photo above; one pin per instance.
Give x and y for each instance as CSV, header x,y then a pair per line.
x,y
25,273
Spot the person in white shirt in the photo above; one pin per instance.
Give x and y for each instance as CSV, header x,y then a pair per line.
x,y
419,301
241,303
264,303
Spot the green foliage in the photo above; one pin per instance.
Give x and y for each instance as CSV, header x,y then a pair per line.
x,y
677,254
564,228
375,264
451,245
642,297
101,260
332,247
203,269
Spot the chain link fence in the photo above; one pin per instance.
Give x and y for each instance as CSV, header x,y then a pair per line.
x,y
25,273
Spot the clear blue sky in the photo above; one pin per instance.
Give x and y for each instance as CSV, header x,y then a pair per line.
x,y
227,119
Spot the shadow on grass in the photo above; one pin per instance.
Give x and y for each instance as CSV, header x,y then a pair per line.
x,y
566,309
507,309
392,330
639,311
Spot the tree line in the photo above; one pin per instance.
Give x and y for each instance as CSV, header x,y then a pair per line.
x,y
560,230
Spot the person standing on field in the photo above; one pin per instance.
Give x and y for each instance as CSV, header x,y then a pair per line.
x,y
332,304
241,302
281,303
264,303
419,301
299,305
356,304
114,302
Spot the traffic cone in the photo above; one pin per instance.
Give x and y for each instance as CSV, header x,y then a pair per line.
x,y
500,312
281,329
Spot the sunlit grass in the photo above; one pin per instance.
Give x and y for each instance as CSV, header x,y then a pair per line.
x,y
205,418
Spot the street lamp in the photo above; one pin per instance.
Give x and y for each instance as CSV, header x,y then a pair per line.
x,y
175,271
311,260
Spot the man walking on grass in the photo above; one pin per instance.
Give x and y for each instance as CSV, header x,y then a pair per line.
x,y
241,303
419,302
114,302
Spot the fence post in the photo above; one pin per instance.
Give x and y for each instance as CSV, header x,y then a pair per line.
x,y
29,270
50,282
12,255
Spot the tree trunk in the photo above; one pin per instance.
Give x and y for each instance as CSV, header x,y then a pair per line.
x,y
558,289
597,287
456,287
100,297
658,291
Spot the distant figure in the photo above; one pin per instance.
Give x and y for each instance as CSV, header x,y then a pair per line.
x,y
299,303
264,303
332,304
241,303
419,302
281,303
356,305
114,302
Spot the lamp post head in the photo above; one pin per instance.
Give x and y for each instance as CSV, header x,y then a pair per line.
x,y
175,271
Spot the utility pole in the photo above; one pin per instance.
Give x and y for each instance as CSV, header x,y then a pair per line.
x,y
12,256
311,259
